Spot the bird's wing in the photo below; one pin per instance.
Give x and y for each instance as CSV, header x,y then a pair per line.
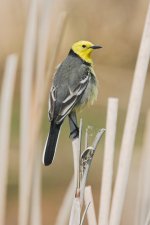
x,y
75,89
72,99
52,102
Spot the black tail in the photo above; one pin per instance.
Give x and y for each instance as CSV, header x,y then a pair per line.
x,y
51,144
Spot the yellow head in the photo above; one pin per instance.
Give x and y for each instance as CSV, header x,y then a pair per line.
x,y
84,50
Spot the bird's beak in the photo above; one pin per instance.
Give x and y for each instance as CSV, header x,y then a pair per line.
x,y
96,47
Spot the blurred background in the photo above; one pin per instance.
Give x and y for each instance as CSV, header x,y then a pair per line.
x,y
115,25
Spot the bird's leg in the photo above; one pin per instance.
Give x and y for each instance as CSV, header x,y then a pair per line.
x,y
74,133
74,129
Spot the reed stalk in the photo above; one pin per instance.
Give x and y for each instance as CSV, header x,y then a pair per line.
x,y
131,125
88,199
107,175
26,106
36,208
6,100
64,210
85,160
143,196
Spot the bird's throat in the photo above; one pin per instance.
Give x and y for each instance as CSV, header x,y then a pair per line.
x,y
86,57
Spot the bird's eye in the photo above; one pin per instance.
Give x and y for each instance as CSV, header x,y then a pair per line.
x,y
83,46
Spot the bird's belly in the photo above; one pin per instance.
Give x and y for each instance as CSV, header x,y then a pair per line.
x,y
90,94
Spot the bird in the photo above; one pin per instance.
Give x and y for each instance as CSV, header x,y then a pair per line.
x,y
74,85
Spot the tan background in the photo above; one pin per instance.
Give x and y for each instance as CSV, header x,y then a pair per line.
x,y
117,26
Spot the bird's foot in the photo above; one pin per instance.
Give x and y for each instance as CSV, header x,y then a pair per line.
x,y
75,133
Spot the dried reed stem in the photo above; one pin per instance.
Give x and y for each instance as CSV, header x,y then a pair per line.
x,y
38,109
107,175
84,214
76,207
43,36
84,163
143,197
88,164
36,117
76,157
26,97
131,125
86,139
36,217
64,210
75,216
6,100
76,145
37,112
88,198
42,92
58,38
147,221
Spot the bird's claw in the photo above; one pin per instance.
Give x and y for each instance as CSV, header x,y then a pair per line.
x,y
75,133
